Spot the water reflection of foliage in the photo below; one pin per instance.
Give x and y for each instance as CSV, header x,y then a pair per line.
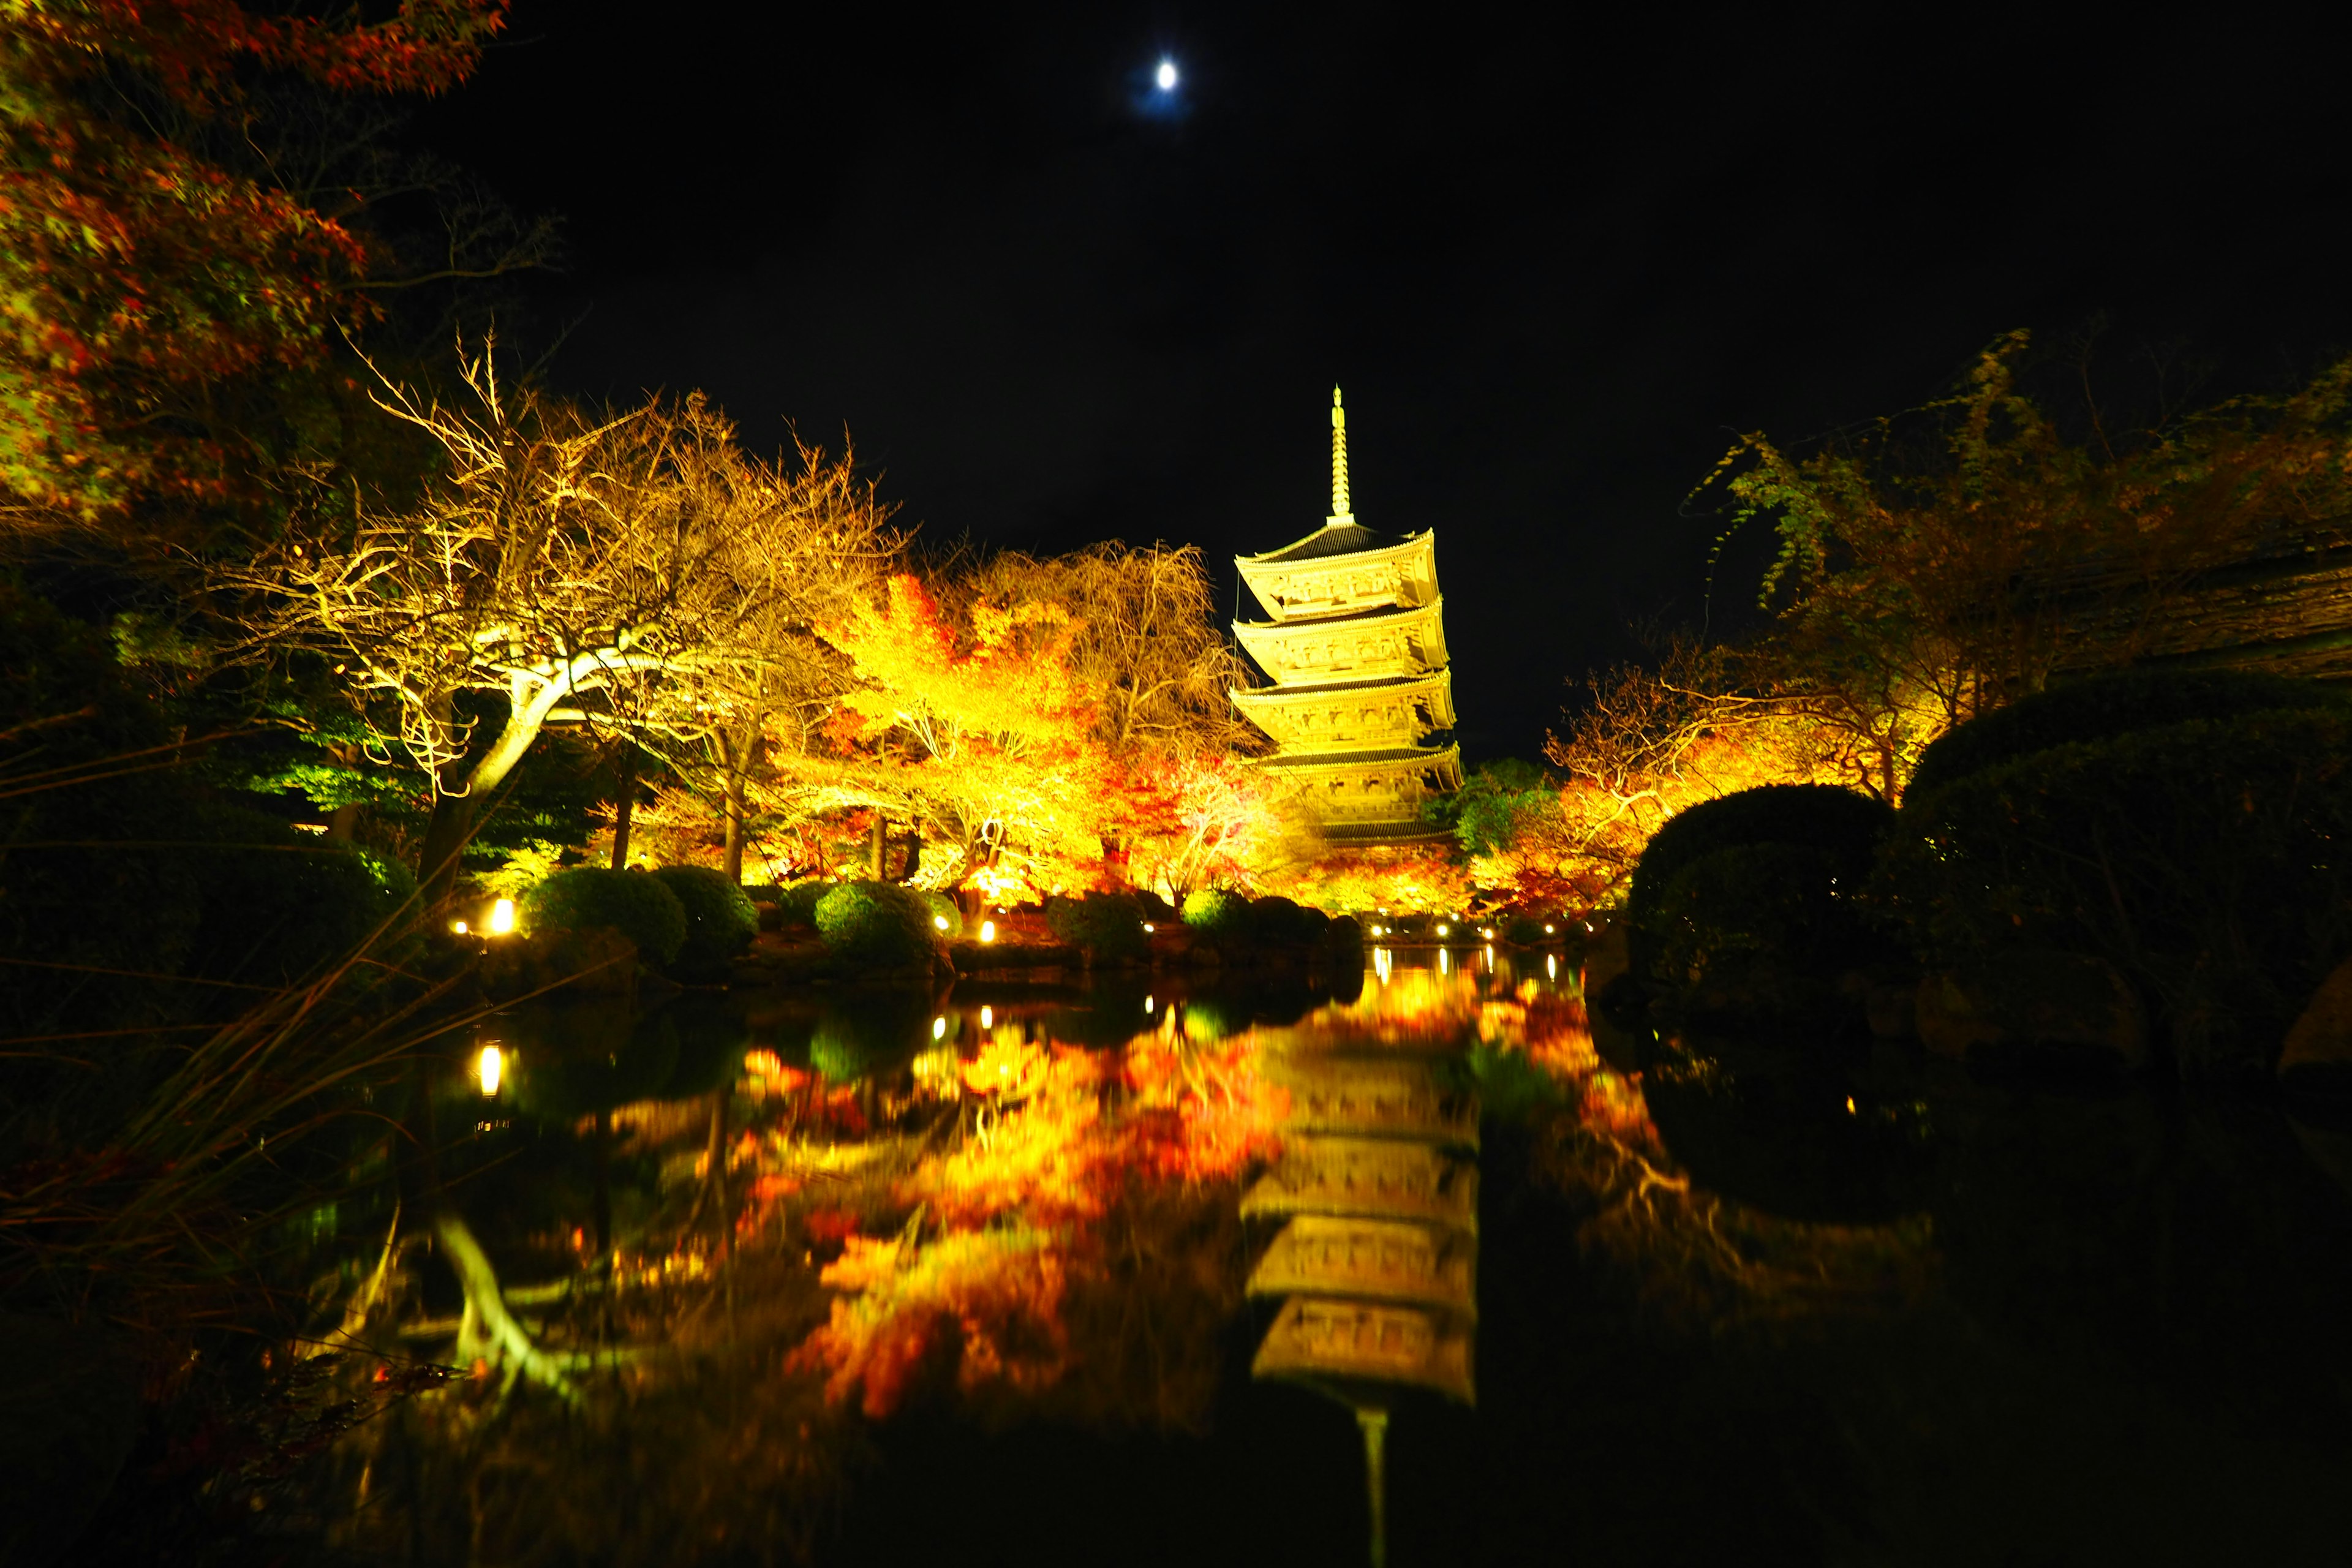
x,y
1701,1258
1059,1150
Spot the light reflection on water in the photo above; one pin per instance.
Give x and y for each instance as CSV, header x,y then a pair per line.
x,y
832,1217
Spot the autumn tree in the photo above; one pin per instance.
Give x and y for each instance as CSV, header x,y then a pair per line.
x,y
1147,642
611,570
972,726
139,268
1954,557
1647,742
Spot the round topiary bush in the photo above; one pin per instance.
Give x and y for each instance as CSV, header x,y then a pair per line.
x,y
1215,912
2209,862
876,922
720,921
947,916
2106,706
1820,816
798,900
1278,921
640,907
1108,926
1740,904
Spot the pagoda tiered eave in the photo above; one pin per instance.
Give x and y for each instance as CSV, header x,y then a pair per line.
x,y
1342,569
1382,645
1383,713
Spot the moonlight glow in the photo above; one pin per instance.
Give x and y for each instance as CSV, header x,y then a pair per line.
x,y
1165,76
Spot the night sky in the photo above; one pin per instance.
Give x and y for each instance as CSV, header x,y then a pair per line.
x,y
1555,256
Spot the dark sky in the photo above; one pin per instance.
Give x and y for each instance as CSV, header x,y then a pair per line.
x,y
1555,256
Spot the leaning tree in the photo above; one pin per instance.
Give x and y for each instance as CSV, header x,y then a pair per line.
x,y
634,570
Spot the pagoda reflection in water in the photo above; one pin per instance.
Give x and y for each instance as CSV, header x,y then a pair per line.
x,y
1377,1190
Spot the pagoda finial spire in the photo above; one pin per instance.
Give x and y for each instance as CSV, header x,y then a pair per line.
x,y
1339,513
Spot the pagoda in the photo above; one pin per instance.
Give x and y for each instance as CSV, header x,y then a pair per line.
x,y
1362,707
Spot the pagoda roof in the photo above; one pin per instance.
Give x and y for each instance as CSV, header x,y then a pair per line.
x,y
1359,759
1400,682
1336,539
1325,622
1399,831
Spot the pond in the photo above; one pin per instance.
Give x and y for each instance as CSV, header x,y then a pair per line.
x,y
1147,1271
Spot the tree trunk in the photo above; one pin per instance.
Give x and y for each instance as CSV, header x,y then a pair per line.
x,y
878,850
343,823
914,854
445,837
624,802
739,755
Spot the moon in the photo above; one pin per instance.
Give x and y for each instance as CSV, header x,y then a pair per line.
x,y
1165,76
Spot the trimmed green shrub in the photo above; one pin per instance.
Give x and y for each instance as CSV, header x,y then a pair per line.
x,y
1215,912
876,922
1821,816
2210,862
1741,905
944,908
798,900
640,907
1746,914
720,920
1107,925
2106,705
1278,921
1344,933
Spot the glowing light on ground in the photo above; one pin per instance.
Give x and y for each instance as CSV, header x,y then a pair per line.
x,y
1165,78
491,1068
502,917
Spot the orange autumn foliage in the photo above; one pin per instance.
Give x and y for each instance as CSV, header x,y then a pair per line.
x,y
1015,1210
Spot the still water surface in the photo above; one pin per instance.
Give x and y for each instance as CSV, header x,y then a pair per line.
x,y
986,1277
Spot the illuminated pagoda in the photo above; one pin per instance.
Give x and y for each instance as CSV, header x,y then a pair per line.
x,y
1356,647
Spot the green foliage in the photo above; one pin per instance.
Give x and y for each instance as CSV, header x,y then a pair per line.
x,y
1749,914
1743,904
638,906
798,900
1107,925
1282,922
1839,822
944,908
1215,912
1484,814
875,922
720,920
526,867
2110,705
2207,861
